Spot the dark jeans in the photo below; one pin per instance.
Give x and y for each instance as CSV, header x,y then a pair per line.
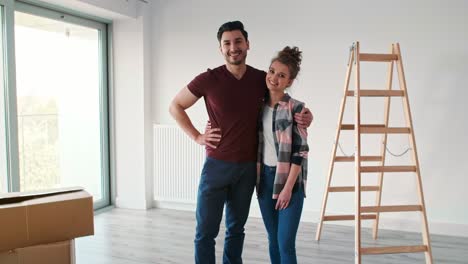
x,y
281,225
223,183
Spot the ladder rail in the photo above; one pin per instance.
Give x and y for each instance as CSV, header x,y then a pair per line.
x,y
357,160
337,137
380,179
412,140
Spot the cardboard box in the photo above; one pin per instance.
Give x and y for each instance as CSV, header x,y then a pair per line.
x,y
55,253
34,218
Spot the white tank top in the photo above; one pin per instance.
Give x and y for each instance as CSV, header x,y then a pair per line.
x,y
269,150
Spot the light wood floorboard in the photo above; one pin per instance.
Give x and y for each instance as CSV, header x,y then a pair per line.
x,y
166,237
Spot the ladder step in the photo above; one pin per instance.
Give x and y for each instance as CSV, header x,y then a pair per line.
x,y
391,208
347,127
378,129
351,126
393,250
377,57
388,168
347,217
363,158
377,93
351,189
381,130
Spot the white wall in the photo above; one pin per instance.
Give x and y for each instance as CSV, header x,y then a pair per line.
x,y
433,38
133,117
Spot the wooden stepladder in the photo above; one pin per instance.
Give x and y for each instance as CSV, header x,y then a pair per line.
x,y
373,212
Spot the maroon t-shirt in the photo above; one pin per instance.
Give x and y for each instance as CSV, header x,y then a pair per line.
x,y
233,105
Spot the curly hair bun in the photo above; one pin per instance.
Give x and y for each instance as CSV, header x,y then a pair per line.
x,y
293,53
292,57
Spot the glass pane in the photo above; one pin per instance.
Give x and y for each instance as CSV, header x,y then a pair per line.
x,y
58,93
3,146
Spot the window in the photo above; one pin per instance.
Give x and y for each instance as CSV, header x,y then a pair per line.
x,y
3,141
60,121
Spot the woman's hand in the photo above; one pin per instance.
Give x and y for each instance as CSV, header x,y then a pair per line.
x,y
283,199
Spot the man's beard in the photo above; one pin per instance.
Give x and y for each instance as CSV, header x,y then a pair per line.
x,y
239,61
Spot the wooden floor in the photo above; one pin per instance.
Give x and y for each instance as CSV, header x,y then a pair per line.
x,y
166,236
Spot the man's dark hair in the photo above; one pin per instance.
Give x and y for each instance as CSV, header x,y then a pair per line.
x,y
231,26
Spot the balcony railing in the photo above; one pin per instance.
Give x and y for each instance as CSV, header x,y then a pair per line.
x,y
38,138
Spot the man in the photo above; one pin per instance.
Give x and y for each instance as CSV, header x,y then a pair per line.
x,y
233,95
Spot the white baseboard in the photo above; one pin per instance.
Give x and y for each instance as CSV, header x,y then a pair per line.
x,y
450,229
399,224
183,206
139,204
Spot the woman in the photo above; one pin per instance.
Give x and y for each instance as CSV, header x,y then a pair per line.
x,y
282,160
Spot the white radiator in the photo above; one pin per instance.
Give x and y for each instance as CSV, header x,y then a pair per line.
x,y
178,161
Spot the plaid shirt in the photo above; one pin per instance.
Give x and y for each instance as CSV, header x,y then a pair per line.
x,y
290,143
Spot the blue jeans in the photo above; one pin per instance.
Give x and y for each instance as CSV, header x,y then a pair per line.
x,y
281,225
222,183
